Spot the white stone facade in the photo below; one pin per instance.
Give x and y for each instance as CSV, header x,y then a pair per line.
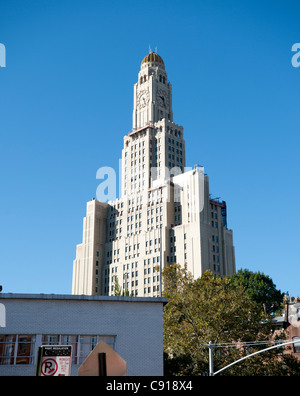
x,y
164,215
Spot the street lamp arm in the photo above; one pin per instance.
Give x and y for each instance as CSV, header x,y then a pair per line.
x,y
255,353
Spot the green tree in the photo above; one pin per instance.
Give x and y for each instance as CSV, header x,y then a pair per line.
x,y
212,309
117,288
260,288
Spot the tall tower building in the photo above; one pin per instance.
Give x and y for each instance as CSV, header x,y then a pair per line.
x,y
164,214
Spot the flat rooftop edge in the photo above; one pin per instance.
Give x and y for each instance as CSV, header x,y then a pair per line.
x,y
81,297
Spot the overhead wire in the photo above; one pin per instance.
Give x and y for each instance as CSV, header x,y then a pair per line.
x,y
244,344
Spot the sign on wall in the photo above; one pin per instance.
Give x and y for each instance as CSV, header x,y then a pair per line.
x,y
54,360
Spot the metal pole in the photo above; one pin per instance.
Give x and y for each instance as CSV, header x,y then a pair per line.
x,y
211,359
102,364
38,362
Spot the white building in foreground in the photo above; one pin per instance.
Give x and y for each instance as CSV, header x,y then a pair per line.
x,y
133,327
164,215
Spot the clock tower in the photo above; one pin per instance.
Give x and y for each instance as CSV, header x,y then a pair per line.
x,y
152,93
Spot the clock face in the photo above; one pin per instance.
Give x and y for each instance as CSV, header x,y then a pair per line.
x,y
162,98
143,99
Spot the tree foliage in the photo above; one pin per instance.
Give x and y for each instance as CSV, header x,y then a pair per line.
x,y
260,288
214,309
118,289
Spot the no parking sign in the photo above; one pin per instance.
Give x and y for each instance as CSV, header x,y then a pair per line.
x,y
54,360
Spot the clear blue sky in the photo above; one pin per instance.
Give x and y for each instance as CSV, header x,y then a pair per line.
x,y
66,99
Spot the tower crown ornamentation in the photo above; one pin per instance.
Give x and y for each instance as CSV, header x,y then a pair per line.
x,y
153,57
